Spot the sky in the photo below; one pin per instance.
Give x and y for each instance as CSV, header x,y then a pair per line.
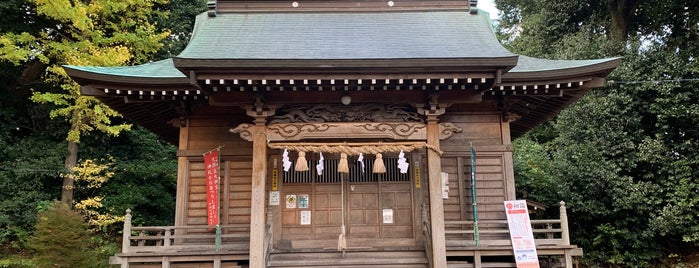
x,y
489,6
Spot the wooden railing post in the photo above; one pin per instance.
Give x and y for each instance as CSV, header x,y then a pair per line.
x,y
549,228
126,237
565,235
168,235
141,241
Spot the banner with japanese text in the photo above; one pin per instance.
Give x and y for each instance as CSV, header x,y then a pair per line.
x,y
211,165
521,234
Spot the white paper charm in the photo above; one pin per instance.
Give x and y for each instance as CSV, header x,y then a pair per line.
x,y
285,161
402,163
360,159
321,165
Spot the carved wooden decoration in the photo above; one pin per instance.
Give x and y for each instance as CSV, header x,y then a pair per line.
x,y
325,131
344,113
367,121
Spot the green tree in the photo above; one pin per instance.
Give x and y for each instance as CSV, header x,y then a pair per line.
x,y
625,157
99,32
144,179
179,22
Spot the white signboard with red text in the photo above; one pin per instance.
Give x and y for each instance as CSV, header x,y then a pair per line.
x,y
521,234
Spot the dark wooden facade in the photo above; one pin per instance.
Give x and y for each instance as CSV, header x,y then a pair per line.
x,y
426,77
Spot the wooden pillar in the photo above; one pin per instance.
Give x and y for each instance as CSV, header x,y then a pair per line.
x,y
259,174
217,261
477,259
434,167
165,262
508,165
182,184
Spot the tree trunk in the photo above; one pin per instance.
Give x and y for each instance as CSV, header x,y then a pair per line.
x,y
68,182
621,13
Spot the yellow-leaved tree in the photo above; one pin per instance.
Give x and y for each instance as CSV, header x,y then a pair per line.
x,y
87,33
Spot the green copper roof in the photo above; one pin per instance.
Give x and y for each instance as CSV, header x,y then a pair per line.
x,y
529,64
158,69
344,35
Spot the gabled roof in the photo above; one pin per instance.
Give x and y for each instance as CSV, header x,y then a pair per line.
x,y
344,36
239,51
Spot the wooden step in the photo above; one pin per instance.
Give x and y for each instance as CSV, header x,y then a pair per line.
x,y
374,259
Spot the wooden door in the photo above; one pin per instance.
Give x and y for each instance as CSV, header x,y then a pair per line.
x,y
376,209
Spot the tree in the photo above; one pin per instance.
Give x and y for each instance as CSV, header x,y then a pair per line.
x,y
179,22
625,158
534,27
99,32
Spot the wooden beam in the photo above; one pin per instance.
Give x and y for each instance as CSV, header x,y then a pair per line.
x,y
229,6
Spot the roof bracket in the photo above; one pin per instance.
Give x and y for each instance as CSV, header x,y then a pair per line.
x,y
474,6
211,4
193,79
498,77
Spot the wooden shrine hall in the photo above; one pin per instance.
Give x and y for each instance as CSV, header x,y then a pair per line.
x,y
346,134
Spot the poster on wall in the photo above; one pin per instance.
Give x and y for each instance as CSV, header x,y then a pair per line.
x,y
274,198
445,185
303,201
290,201
387,215
305,217
521,234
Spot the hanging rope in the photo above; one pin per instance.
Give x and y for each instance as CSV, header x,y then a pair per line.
x,y
355,148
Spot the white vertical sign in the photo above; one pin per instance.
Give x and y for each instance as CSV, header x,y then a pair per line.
x,y
305,217
445,185
521,234
387,215
274,198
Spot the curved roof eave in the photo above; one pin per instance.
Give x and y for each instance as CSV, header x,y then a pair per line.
x,y
159,73
531,69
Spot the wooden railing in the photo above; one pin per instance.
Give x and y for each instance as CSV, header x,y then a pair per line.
x,y
179,238
552,232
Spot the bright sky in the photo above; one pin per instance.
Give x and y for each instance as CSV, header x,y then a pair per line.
x,y
489,6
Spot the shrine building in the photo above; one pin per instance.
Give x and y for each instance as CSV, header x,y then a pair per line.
x,y
343,134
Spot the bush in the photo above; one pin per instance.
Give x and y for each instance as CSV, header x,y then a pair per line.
x,y
62,239
16,262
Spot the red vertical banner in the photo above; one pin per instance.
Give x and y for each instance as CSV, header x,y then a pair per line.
x,y
212,181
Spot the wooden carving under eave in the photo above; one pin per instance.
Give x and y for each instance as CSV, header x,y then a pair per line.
x,y
326,131
446,130
244,130
346,113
